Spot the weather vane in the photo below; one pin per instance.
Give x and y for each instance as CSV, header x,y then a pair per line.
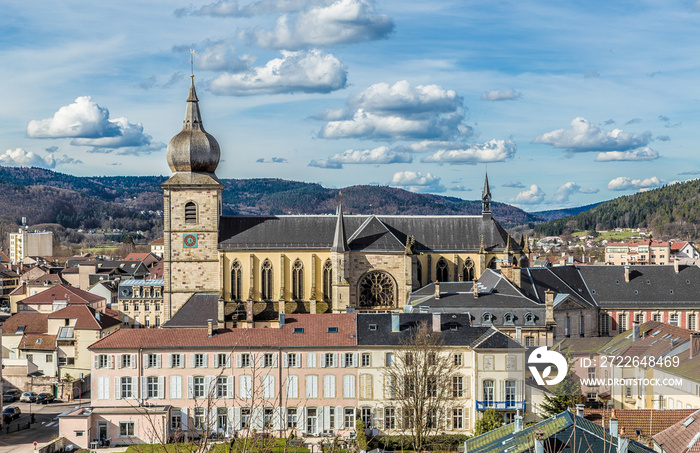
x,y
191,62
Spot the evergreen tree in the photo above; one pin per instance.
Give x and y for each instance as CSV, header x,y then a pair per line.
x,y
488,422
566,395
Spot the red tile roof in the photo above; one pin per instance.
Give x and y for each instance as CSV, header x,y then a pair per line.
x,y
42,342
159,241
32,322
679,438
642,419
62,292
156,272
315,333
136,256
85,317
677,246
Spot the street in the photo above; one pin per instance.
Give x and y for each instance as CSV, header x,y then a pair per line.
x,y
43,431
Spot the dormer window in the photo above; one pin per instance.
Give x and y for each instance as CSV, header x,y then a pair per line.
x,y
529,318
190,213
508,318
486,318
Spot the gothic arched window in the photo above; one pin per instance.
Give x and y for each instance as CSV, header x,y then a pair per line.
x,y
236,280
298,280
492,264
419,273
468,270
266,281
327,281
441,271
377,289
190,212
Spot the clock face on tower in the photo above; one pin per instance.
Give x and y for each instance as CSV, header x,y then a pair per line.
x,y
189,240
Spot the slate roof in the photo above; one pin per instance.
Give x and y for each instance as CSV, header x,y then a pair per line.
x,y
315,333
638,419
381,233
85,317
683,436
560,430
374,329
32,322
584,345
62,292
196,312
156,271
651,286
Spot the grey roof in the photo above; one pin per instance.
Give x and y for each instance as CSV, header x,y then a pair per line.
x,y
374,329
196,312
650,286
497,296
431,233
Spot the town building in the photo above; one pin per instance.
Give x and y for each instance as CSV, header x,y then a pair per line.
x,y
60,296
638,253
30,243
140,303
158,247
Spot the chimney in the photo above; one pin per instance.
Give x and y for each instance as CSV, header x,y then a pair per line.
x,y
518,424
539,441
281,320
623,445
437,289
395,322
210,328
613,426
694,344
437,322
475,289
519,334
579,410
635,330
249,311
627,273
517,276
507,271
676,265
549,305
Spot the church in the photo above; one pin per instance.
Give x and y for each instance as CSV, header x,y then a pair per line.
x,y
236,270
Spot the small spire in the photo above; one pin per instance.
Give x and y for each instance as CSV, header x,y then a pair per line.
x,y
507,250
340,241
193,118
486,196
526,248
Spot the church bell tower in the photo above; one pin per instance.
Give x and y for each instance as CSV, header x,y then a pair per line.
x,y
192,207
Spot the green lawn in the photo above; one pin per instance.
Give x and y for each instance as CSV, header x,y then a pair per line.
x,y
277,447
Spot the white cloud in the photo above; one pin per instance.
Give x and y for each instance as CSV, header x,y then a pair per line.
x,y
399,112
567,189
645,153
514,184
416,182
625,183
221,56
273,160
534,195
341,22
380,155
88,124
586,137
501,95
19,157
312,71
227,8
491,151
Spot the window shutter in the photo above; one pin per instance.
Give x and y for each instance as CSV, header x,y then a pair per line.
x,y
342,359
192,362
207,386
111,361
97,361
298,354
216,361
327,418
323,361
229,387
161,387
185,419
237,418
144,388
468,386
228,360
354,359
145,360
274,360
206,357
173,387
239,361
190,387
117,388
310,360
119,361
349,386
159,362
335,360
170,360
278,418
252,361
285,360
230,426
182,360
301,419
379,418
133,361
339,415
502,389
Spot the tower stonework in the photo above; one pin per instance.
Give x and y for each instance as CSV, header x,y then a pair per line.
x,y
192,208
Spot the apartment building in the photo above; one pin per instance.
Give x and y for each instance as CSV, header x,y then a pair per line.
x,y
641,252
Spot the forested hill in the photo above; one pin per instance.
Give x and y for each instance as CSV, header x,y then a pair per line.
x,y
555,214
669,211
45,196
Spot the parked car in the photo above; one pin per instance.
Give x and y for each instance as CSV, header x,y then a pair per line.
x,y
44,398
10,413
27,397
11,395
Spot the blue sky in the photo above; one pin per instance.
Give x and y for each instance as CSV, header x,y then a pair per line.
x,y
565,103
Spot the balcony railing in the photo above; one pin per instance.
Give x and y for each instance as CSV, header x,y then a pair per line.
x,y
501,405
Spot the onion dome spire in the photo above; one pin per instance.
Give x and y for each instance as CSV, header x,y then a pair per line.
x,y
193,149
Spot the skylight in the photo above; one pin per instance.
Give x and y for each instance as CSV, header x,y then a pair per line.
x,y
332,330
656,333
688,422
298,330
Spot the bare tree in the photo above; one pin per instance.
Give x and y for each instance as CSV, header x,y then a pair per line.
x,y
420,381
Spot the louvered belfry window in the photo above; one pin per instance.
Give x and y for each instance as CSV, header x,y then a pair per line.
x,y
190,213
